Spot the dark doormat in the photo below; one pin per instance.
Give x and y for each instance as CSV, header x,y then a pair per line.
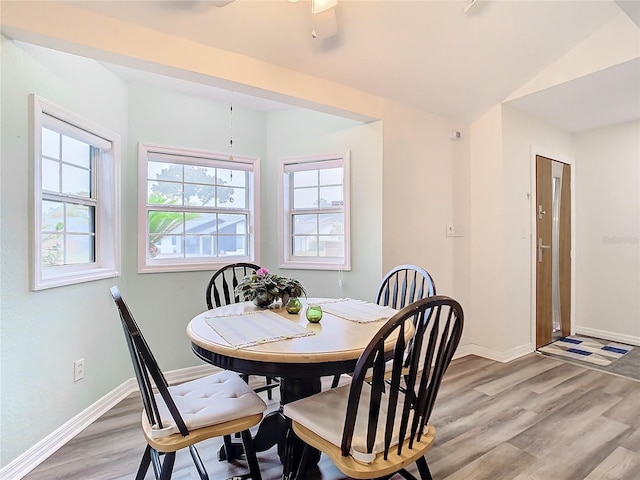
x,y
610,357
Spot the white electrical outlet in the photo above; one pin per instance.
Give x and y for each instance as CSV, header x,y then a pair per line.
x,y
78,370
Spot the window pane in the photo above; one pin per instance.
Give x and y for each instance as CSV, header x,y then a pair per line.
x,y
76,152
197,174
305,178
200,223
50,175
232,224
330,197
162,223
331,176
192,246
235,178
305,246
165,171
200,245
305,224
76,181
331,246
79,218
165,246
79,249
235,197
232,245
199,195
208,245
305,198
52,250
164,193
331,223
52,216
50,143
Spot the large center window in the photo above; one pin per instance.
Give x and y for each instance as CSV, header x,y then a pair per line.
x,y
198,209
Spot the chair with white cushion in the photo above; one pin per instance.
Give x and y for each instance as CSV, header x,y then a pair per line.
x,y
221,291
401,286
376,429
179,416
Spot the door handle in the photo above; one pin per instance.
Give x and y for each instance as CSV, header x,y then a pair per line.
x,y
540,248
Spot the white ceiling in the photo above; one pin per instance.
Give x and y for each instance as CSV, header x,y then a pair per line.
x,y
426,53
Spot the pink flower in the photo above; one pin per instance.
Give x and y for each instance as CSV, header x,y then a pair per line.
x,y
262,272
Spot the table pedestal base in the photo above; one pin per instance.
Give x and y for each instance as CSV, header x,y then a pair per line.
x,y
275,429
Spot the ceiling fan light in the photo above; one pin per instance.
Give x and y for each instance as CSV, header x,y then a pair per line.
x,y
319,6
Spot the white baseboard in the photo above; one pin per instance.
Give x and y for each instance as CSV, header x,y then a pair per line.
x,y
503,357
42,450
605,335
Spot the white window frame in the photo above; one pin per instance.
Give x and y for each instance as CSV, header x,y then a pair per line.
x,y
107,196
285,211
202,158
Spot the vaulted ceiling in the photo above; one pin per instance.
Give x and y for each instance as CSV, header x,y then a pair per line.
x,y
430,54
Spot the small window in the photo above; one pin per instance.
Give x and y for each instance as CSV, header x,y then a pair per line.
x,y
314,218
197,209
76,207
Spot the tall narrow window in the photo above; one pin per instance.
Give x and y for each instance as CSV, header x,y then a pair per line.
x,y
76,209
314,194
197,209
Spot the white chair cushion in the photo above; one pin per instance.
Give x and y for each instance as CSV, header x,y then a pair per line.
x,y
325,413
209,401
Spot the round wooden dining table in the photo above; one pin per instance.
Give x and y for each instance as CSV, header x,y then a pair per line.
x,y
331,347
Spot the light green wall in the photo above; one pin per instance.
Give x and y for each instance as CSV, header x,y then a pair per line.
x,y
42,333
299,132
165,302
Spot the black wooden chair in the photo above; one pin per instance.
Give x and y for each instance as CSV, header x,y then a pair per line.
x,y
221,288
374,429
221,291
401,286
178,417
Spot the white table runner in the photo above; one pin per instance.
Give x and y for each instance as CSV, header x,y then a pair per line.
x,y
358,310
253,328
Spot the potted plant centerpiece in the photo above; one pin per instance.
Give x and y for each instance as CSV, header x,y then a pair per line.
x,y
264,288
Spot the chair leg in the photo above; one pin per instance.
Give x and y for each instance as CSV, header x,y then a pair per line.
x,y
423,468
404,473
155,461
301,474
250,455
197,461
228,449
269,393
144,464
167,465
336,380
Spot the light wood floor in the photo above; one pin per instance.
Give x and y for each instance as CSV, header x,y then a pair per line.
x,y
535,418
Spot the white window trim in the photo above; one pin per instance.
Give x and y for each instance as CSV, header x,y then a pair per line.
x,y
284,234
146,265
108,240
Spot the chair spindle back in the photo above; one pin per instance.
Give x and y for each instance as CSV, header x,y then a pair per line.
x,y
221,288
146,368
403,285
409,396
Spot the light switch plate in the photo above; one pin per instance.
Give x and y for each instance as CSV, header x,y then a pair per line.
x,y
455,230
